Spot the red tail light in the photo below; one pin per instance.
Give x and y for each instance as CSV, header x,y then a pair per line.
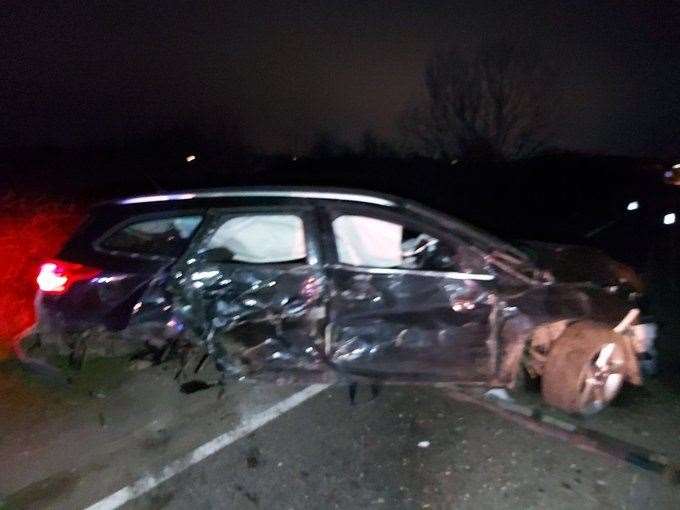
x,y
57,276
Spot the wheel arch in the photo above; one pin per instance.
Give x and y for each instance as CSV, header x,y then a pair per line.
x,y
544,337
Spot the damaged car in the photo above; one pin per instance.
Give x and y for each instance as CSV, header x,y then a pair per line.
x,y
318,284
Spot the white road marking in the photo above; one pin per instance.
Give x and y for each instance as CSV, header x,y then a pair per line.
x,y
248,425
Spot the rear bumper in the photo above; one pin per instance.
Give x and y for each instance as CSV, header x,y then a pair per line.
x,y
54,318
80,309
61,330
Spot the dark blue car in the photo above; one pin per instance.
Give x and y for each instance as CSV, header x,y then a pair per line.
x,y
328,284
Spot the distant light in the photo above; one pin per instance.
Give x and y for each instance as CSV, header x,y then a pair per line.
x,y
295,158
669,219
668,174
190,158
676,166
633,206
454,161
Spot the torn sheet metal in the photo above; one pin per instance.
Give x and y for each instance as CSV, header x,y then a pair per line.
x,y
250,318
405,325
382,325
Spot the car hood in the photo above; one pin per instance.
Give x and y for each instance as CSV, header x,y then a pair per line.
x,y
571,264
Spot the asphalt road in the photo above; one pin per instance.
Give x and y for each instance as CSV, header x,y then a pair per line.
x,y
412,447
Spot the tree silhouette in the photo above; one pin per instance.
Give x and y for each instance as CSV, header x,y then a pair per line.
x,y
498,103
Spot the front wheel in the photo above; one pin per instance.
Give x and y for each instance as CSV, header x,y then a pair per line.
x,y
584,371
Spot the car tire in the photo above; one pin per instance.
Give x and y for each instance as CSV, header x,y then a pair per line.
x,y
585,369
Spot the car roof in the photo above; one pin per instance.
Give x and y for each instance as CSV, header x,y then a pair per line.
x,y
222,196
285,195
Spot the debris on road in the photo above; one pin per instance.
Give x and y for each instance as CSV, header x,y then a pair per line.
x,y
582,438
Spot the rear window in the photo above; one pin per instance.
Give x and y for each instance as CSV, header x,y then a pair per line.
x,y
167,237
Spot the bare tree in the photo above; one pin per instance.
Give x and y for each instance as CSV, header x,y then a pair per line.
x,y
497,104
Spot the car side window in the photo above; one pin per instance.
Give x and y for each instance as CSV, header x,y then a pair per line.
x,y
258,239
168,236
365,241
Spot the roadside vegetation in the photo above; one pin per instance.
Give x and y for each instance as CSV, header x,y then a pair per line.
x,y
31,230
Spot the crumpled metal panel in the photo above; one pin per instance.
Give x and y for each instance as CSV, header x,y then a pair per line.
x,y
302,320
407,324
250,317
299,322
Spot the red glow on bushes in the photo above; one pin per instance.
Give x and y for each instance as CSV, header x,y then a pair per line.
x,y
30,231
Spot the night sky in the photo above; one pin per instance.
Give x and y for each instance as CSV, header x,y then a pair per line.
x,y
98,71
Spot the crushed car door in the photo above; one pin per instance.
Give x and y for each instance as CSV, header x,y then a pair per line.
x,y
401,305
251,287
